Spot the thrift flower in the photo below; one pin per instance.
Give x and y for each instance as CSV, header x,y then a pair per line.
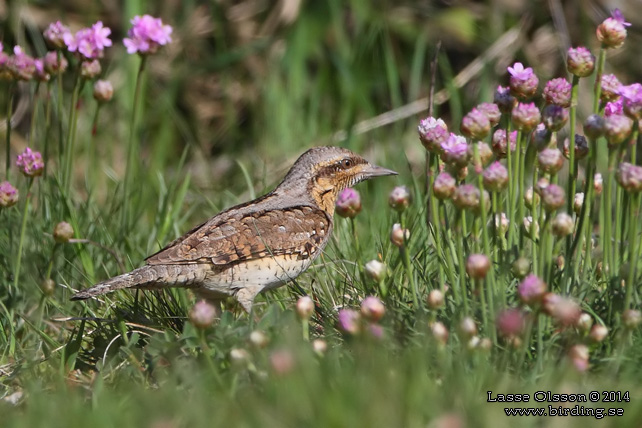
x,y
90,43
432,133
372,309
375,270
63,232
504,100
558,92
444,186
531,290
554,117
90,69
632,100
348,203
562,225
598,333
202,314
581,147
304,307
9,195
525,116
500,145
495,177
103,91
400,198
483,150
455,151
612,31
147,35
52,65
435,299
40,75
550,160
614,107
349,321
30,163
610,88
22,65
475,125
580,62
5,61
467,196
617,128
594,126
491,110
511,323
523,82
398,235
629,176
477,266
553,197
55,33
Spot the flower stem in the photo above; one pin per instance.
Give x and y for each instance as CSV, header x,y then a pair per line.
x,y
71,133
572,165
633,244
8,131
597,89
23,228
132,144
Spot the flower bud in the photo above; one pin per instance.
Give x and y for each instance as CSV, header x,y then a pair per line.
x,y
531,290
631,318
9,195
53,65
30,163
48,286
305,307
455,151
491,111
550,160
349,321
63,232
562,309
584,322
501,223
521,267
632,100
629,177
554,117
54,35
525,116
433,133
553,197
435,299
399,198
528,224
530,198
500,145
578,356
239,357
444,186
372,309
202,314
510,323
598,183
613,108
399,236
562,225
581,147
319,346
439,332
617,128
495,177
259,339
103,91
484,152
610,88
580,62
612,31
282,362
558,92
542,138
578,202
348,203
467,327
594,126
475,125
477,266
504,100
598,333
90,69
467,196
375,270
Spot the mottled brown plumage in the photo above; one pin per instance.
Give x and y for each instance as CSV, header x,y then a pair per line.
x,y
258,245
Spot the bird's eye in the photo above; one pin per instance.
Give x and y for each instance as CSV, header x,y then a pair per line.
x,y
346,163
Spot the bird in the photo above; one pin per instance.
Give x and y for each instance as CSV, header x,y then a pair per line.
x,y
258,245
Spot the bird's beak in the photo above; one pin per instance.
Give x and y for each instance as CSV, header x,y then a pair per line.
x,y
377,171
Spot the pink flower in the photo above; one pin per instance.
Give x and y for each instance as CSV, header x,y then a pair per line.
x,y
455,150
22,65
30,163
614,107
523,82
518,71
432,133
89,42
349,321
8,195
348,203
55,34
558,91
632,100
146,35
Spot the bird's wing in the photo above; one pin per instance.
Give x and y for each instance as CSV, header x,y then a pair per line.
x,y
299,230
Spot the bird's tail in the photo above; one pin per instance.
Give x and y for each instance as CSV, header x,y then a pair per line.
x,y
142,277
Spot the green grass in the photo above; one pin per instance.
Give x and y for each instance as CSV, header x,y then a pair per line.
x,y
222,118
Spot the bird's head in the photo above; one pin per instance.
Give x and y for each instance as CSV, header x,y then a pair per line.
x,y
325,171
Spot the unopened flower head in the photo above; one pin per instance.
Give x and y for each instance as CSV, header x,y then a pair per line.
x,y
22,65
550,160
147,35
521,267
304,307
477,266
103,91
612,31
504,100
525,116
581,147
202,314
53,64
467,197
90,69
372,309
54,35
435,299
614,108
598,333
578,356
531,228
580,61
348,203
63,232
455,151
41,74
349,321
30,163
491,110
594,126
9,195
495,177
433,133
631,318
523,82
558,92
609,88
467,327
553,197
501,223
632,100
584,322
399,235
375,270
598,183
90,42
617,128
562,225
282,362
500,145
554,117
511,323
562,309
400,198
475,125
439,332
578,202
444,185
629,176
531,290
